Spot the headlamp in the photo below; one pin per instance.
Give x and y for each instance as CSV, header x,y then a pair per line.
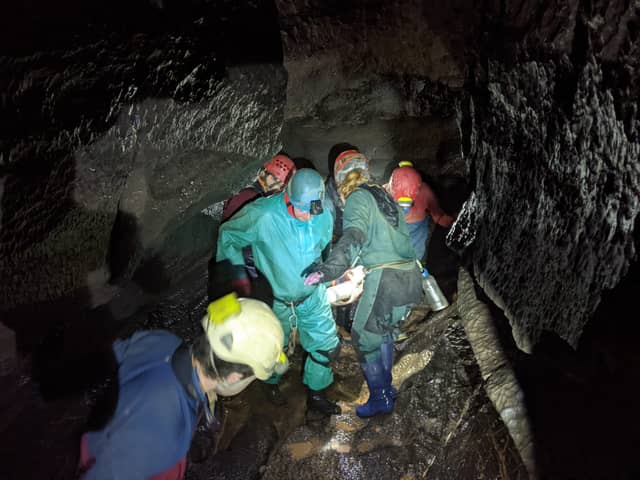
x,y
316,207
405,202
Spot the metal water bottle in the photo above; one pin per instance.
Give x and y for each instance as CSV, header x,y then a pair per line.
x,y
433,296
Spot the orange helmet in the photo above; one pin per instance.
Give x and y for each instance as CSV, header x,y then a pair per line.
x,y
405,182
281,167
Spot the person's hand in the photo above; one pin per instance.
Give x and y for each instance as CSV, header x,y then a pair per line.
x,y
356,274
242,286
313,278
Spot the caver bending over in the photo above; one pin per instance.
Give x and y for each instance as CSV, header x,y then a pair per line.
x,y
375,236
287,233
163,386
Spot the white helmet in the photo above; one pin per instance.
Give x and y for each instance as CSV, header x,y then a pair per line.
x,y
246,331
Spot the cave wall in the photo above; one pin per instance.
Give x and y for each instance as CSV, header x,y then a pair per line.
x,y
553,148
542,97
116,121
120,123
376,74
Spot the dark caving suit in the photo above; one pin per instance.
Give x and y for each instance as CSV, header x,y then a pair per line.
x,y
375,234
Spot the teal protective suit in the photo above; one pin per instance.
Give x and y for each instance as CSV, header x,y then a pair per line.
x,y
283,247
375,235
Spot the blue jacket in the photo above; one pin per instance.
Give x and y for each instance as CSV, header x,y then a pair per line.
x,y
155,417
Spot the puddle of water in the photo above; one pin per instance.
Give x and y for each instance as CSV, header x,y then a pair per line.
x,y
300,450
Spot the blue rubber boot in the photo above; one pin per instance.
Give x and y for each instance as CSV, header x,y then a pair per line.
x,y
386,357
380,399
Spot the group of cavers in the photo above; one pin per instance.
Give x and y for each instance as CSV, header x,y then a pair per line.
x,y
344,244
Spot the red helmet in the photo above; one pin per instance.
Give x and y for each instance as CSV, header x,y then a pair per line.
x,y
347,161
281,167
405,182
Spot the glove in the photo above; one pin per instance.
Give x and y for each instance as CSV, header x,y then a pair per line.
x,y
310,269
242,286
313,278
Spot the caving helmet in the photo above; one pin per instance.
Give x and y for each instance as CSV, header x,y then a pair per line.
x,y
306,191
281,167
246,331
404,184
347,161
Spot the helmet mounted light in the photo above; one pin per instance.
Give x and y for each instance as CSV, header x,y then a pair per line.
x,y
316,207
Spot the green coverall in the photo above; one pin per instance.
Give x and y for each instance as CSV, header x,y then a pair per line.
x,y
283,247
393,283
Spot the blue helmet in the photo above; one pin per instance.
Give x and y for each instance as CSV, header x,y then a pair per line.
x,y
306,191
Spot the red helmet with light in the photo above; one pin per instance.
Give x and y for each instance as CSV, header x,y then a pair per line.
x,y
405,182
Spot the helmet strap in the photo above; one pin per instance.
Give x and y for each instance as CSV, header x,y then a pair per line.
x,y
289,205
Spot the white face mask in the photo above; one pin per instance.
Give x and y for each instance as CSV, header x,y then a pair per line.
x,y
230,389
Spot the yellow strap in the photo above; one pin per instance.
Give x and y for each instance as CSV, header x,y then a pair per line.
x,y
224,307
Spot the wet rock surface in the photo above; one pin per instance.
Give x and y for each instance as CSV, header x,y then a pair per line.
x,y
553,147
379,75
113,136
443,425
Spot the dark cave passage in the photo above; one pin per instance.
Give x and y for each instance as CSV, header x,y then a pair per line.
x,y
124,127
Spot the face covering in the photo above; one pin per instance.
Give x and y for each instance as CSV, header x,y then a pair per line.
x,y
230,389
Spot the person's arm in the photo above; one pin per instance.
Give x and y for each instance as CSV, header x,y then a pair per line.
x,y
355,220
139,453
235,234
433,207
342,254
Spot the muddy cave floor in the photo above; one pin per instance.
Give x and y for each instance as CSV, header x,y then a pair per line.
x,y
441,413
455,421
582,406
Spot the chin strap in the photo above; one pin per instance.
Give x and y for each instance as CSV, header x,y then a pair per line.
x,y
182,366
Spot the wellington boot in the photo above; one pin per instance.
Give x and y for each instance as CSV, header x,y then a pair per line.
x,y
317,400
386,358
380,398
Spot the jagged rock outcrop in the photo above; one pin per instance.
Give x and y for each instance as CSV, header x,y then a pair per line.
x,y
548,119
553,147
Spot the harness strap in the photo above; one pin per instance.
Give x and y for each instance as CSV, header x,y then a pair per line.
x,y
183,369
398,263
293,303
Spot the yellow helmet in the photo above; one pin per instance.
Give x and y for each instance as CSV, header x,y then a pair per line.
x,y
246,331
